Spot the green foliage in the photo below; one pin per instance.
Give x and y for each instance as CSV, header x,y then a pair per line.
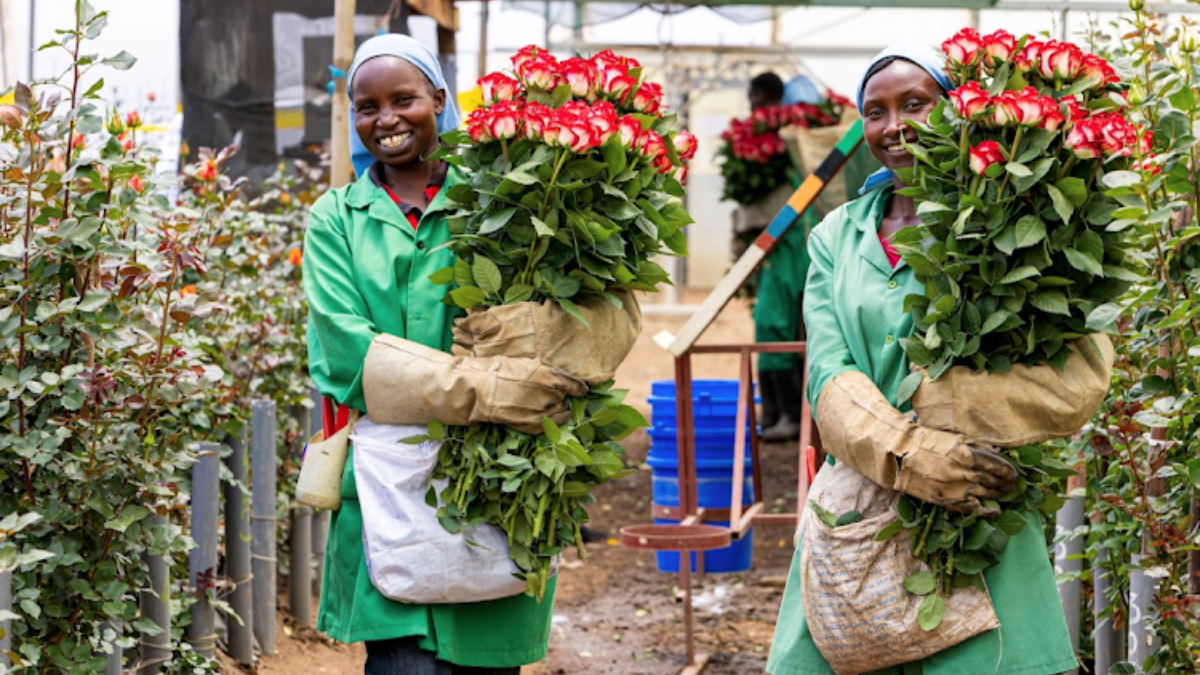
x,y
116,307
1141,450
534,487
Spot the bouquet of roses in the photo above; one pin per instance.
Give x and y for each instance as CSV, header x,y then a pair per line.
x,y
574,174
1019,249
754,156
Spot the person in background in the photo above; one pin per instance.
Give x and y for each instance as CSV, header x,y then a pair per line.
x,y
780,287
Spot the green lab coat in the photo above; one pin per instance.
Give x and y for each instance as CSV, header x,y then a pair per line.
x,y
853,312
366,272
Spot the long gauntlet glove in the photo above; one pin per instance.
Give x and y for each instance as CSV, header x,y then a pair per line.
x,y
408,383
1028,404
861,428
545,331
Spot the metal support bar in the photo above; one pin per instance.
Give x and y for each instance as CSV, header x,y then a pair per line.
x,y
115,662
202,560
1068,559
320,520
154,605
5,624
300,566
1143,642
263,525
1109,642
237,553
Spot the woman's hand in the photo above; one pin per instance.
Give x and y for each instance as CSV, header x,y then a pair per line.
x,y
545,331
1028,404
409,383
862,428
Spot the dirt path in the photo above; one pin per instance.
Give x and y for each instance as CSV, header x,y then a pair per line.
x,y
615,614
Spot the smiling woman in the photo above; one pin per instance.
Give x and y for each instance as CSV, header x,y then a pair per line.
x,y
369,251
856,321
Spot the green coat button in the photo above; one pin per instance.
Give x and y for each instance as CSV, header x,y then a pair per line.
x,y
892,284
890,339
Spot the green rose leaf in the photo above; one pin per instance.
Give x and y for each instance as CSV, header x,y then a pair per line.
x,y
487,276
931,612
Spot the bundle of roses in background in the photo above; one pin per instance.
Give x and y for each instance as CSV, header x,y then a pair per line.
x,y
754,157
1019,248
574,175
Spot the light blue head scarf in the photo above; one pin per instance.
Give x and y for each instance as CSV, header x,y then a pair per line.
x,y
930,60
411,50
800,89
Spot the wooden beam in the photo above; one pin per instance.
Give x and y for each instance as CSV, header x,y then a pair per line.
x,y
341,172
442,11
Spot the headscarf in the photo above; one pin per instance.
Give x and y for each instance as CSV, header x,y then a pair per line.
x,y
411,50
929,59
800,89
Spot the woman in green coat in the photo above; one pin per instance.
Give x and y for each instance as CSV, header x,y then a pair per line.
x,y
854,316
378,341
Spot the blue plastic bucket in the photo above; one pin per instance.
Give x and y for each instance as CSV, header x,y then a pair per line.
x,y
714,411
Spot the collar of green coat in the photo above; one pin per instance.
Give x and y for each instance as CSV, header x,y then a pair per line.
x,y
364,194
869,210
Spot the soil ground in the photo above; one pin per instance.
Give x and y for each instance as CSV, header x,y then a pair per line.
x,y
615,614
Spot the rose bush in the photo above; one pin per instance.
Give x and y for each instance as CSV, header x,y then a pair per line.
x,y
754,159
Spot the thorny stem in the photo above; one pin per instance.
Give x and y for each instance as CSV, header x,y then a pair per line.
x,y
527,275
74,103
21,353
162,337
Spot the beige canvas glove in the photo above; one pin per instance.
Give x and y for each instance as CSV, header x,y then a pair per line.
x,y
545,331
1028,404
861,428
408,383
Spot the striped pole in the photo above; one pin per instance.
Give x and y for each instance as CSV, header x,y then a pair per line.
x,y
202,560
800,201
237,553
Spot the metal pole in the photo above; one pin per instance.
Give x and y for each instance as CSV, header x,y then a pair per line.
x,y
320,521
5,624
155,649
320,536
483,37
343,56
237,553
32,42
1109,641
300,577
116,658
262,458
202,560
1068,558
1143,642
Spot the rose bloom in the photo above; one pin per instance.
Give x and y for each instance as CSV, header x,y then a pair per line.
x,y
77,142
963,48
137,184
1032,107
295,256
208,171
651,145
133,120
581,74
1030,56
1004,110
984,155
619,87
126,141
527,52
477,125
1060,60
1096,72
498,87
970,100
575,133
685,145
1075,111
997,47
630,129
602,117
187,290
542,71
648,98
537,118
116,126
504,120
